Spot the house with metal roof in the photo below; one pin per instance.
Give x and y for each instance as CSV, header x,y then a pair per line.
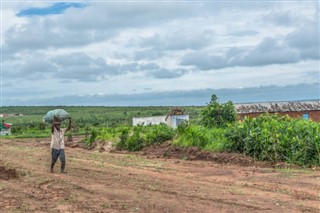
x,y
309,110
5,128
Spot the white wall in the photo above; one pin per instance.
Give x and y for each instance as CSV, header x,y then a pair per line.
x,y
154,120
5,131
173,120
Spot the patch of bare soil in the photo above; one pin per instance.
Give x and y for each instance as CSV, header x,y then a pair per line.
x,y
167,150
6,174
123,182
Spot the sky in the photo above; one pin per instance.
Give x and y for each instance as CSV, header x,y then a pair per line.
x,y
169,53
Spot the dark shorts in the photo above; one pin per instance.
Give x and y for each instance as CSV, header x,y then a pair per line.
x,y
55,153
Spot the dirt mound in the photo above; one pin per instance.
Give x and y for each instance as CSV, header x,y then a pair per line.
x,y
100,145
6,174
167,150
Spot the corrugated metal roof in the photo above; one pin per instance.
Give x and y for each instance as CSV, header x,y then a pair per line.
x,y
5,126
296,106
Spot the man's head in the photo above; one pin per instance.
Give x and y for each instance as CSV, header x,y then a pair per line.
x,y
57,124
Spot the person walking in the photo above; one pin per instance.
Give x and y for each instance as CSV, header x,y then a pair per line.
x,y
57,144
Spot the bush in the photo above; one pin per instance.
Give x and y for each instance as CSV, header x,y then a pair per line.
x,y
212,139
277,138
93,136
217,114
159,134
138,137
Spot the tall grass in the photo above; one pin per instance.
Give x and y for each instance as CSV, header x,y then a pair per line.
x,y
211,139
138,137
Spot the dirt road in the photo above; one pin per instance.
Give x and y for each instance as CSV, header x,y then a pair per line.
x,y
111,182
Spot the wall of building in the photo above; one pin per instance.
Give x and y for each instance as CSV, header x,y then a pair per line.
x,y
313,115
175,120
5,131
145,121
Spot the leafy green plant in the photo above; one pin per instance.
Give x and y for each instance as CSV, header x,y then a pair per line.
x,y
212,139
93,136
276,138
158,134
217,114
135,138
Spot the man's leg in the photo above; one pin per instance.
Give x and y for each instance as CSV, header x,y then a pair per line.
x,y
63,160
54,158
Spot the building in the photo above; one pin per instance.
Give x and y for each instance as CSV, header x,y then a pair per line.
x,y
176,116
175,120
5,128
145,121
309,110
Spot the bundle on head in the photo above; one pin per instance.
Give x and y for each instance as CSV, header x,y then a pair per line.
x,y
56,115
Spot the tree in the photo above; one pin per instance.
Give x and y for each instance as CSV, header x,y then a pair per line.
x,y
217,114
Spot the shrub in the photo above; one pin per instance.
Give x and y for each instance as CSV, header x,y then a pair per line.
x,y
93,136
212,139
158,134
277,138
135,138
217,114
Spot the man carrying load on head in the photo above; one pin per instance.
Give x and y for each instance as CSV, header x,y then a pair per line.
x,y
57,144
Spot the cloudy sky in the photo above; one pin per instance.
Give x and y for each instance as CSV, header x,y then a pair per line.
x,y
158,52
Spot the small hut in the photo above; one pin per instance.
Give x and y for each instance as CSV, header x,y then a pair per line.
x,y
175,117
5,128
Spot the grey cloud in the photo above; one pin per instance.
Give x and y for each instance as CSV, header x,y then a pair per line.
x,y
116,15
166,73
48,33
33,66
306,40
125,68
204,60
34,41
285,18
6,83
244,33
313,75
74,66
149,66
78,58
97,22
179,40
80,73
181,98
269,51
147,54
235,6
156,71
79,66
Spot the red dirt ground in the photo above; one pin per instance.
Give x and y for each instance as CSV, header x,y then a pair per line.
x,y
157,179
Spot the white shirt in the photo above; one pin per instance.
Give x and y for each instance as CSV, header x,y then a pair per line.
x,y
57,138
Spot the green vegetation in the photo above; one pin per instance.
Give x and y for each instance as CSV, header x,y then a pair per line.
x,y
84,118
212,139
276,138
214,127
217,114
134,139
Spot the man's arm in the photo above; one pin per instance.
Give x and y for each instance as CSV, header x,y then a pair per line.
x,y
52,127
69,127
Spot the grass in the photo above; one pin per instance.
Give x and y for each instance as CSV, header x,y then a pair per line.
x,y
210,139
